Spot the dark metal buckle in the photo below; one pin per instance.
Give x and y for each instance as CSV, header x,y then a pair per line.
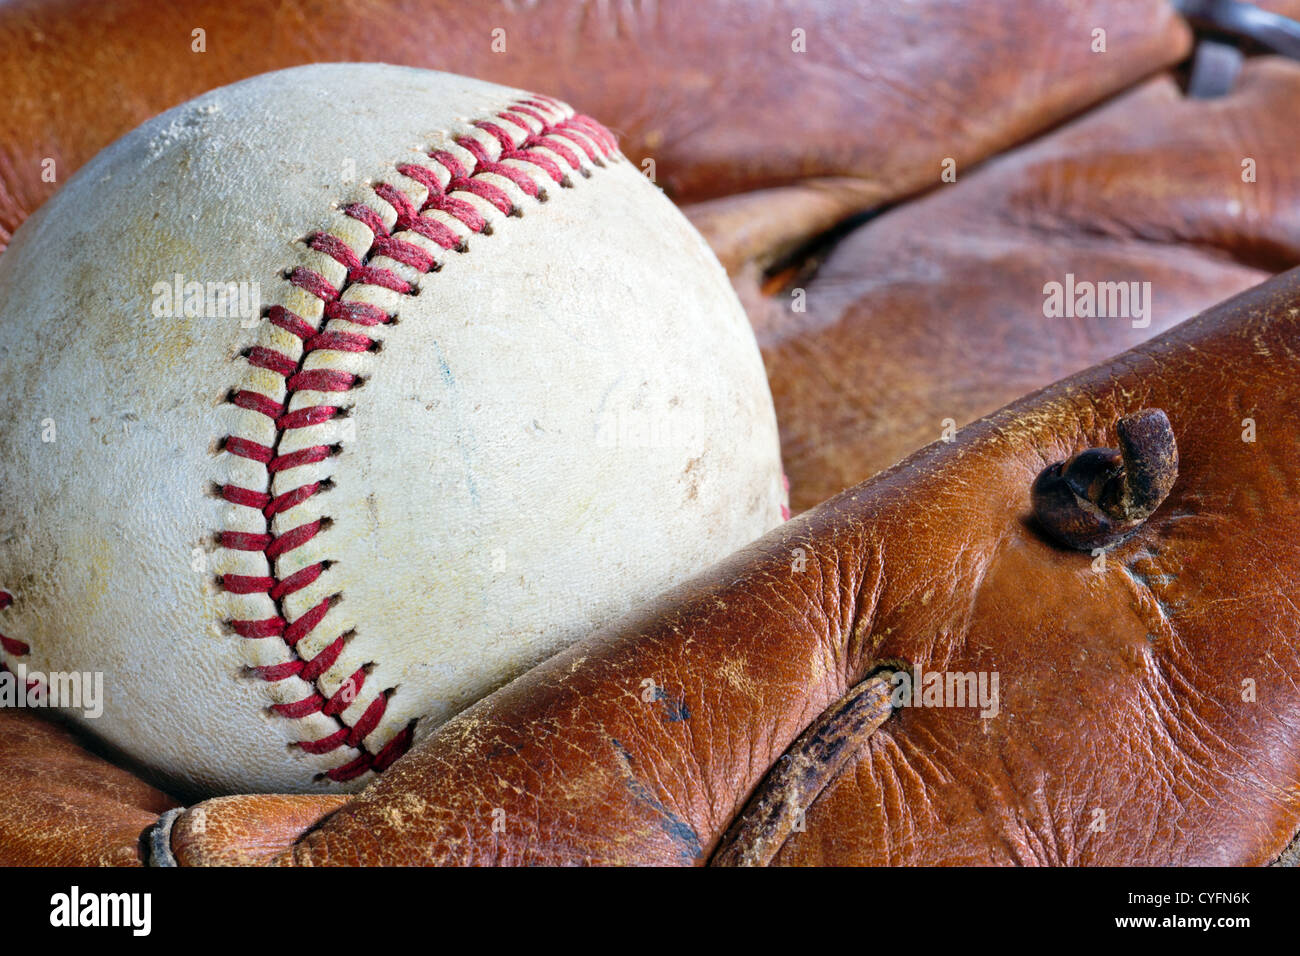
x,y
1226,29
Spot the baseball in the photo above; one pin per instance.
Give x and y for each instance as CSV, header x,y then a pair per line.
x,y
335,399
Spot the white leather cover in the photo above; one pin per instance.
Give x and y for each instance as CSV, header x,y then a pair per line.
x,y
570,416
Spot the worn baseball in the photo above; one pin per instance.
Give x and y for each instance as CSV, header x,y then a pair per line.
x,y
334,399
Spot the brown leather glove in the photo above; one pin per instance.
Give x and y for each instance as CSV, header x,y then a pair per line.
x,y
824,150
880,97
935,309
63,806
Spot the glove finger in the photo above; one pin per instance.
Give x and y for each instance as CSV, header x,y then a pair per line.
x,y
247,829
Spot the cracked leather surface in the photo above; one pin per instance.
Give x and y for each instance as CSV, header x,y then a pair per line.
x,y
61,805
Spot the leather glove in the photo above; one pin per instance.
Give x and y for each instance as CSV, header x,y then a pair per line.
x,y
809,176
934,310
881,96
61,805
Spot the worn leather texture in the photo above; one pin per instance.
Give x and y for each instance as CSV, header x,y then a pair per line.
x,y
569,417
934,310
883,94
246,830
61,805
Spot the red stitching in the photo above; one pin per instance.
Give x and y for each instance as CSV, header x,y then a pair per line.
x,y
271,360
13,647
405,209
337,739
323,661
296,581
271,627
321,380
285,319
249,449
538,148
293,539
245,496
493,194
407,253
290,499
246,584
301,708
452,164
257,402
359,313
275,672
306,456
303,417
313,283
296,631
244,541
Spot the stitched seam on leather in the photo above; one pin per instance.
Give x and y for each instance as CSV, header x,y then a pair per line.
x,y
425,212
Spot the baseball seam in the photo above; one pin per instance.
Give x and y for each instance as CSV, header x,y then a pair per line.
x,y
13,649
9,646
295,389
